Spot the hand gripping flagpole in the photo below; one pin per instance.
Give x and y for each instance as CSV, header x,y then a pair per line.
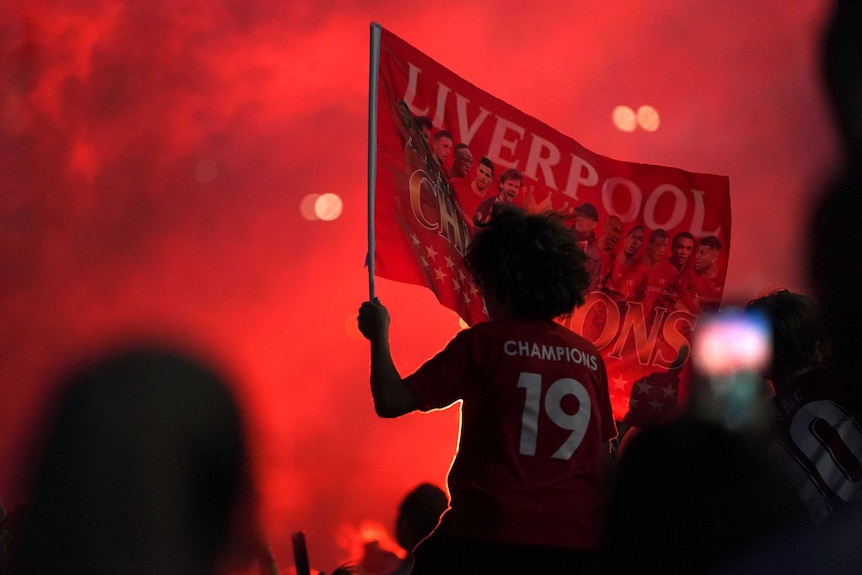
x,y
372,149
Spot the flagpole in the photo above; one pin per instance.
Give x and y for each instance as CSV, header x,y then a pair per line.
x,y
372,149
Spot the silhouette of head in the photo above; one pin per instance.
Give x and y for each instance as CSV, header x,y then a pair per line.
x,y
141,467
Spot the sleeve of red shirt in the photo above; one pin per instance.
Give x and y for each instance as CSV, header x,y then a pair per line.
x,y
446,377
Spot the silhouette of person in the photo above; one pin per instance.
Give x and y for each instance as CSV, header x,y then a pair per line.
x,y
142,470
835,269
418,515
816,438
4,541
527,484
690,496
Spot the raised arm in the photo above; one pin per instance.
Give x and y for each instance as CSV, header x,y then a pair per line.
x,y
391,397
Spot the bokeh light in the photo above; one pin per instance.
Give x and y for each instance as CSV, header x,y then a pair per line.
x,y
625,119
307,207
648,118
328,207
731,342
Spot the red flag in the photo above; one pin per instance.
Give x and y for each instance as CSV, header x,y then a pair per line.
x,y
657,237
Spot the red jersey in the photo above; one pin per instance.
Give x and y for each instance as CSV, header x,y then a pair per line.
x,y
608,259
705,291
624,279
535,422
467,198
661,286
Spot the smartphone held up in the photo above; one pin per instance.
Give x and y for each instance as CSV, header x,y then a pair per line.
x,y
731,349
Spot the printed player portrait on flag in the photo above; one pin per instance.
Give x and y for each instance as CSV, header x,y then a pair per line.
x,y
657,238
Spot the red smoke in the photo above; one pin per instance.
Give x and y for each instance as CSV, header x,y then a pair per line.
x,y
153,157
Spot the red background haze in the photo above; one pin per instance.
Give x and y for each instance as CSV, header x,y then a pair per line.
x,y
153,156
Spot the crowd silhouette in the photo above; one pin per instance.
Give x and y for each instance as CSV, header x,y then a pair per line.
x,y
142,468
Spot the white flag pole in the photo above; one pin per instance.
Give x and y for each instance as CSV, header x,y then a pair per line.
x,y
372,149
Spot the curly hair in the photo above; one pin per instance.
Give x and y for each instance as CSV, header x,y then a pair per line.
x,y
531,263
